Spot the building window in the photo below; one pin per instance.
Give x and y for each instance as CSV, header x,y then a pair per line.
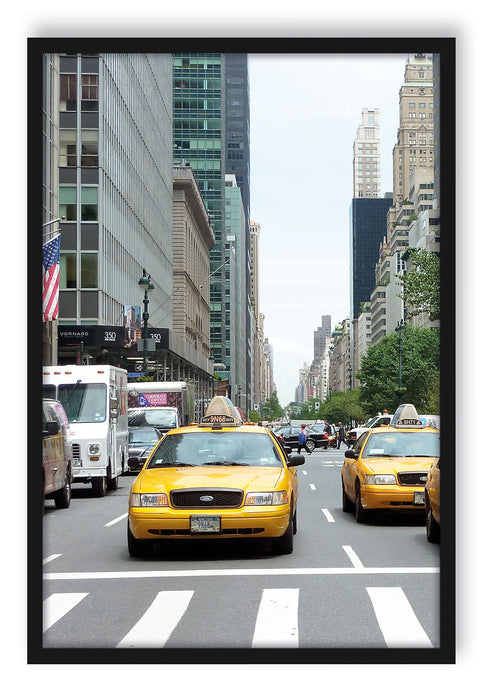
x,y
68,271
89,204
89,148
89,270
68,92
89,93
68,203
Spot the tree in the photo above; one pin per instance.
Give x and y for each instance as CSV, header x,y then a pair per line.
x,y
379,374
421,284
271,409
343,406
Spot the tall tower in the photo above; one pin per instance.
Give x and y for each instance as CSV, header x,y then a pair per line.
x,y
366,159
211,134
414,147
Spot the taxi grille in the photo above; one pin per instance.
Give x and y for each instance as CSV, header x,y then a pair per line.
x,y
412,478
206,498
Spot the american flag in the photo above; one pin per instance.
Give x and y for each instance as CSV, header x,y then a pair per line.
x,y
51,273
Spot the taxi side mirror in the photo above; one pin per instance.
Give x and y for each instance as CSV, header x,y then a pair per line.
x,y
295,460
350,454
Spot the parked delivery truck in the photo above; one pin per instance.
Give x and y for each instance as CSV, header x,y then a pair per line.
x,y
95,400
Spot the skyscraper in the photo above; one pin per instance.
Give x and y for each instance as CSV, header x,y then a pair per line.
x,y
366,160
211,134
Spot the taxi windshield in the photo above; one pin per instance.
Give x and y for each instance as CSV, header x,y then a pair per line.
x,y
402,444
216,448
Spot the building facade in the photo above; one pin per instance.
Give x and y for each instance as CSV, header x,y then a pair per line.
x,y
366,157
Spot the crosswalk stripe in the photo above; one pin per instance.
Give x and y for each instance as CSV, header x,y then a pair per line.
x,y
57,605
276,624
398,623
159,621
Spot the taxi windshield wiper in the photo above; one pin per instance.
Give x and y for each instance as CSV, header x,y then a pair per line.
x,y
227,463
160,465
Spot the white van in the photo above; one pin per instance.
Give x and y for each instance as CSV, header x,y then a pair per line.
x,y
95,400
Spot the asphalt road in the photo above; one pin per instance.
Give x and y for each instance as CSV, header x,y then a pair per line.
x,y
345,586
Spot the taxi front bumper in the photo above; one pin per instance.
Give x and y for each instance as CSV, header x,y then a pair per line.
x,y
395,497
160,523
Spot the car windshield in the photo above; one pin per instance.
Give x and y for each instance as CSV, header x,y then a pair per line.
x,y
214,448
159,417
402,444
143,435
83,403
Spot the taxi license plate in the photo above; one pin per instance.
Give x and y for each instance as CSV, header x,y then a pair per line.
x,y
205,524
419,498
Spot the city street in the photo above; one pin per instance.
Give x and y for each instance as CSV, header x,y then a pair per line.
x,y
346,585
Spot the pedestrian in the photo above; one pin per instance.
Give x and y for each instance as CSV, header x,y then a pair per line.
x,y
301,441
341,435
328,431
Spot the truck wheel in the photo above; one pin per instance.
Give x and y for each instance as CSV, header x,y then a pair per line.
x,y
99,484
63,496
113,484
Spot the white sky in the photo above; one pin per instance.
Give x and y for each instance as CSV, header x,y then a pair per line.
x,y
305,112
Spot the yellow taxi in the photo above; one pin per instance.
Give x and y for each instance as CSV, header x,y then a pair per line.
x,y
432,503
388,466
220,478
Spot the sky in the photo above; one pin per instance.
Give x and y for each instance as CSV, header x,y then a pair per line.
x,y
305,111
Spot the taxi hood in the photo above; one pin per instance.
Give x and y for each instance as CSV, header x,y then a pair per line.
x,y
393,465
245,478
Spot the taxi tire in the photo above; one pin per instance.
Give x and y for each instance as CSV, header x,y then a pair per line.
x,y
361,515
138,548
347,504
432,527
285,544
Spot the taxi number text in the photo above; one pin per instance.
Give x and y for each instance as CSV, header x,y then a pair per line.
x,y
204,524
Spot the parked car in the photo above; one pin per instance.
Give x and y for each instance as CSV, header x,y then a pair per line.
x,y
141,442
289,435
56,455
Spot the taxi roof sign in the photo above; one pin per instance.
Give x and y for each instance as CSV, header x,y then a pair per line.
x,y
406,416
221,411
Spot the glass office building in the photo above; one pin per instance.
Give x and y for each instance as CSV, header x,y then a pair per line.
x,y
368,228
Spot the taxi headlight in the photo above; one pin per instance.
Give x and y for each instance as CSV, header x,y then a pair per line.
x,y
379,479
267,498
94,448
148,500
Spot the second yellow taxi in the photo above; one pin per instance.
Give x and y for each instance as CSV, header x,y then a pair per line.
x,y
221,478
388,466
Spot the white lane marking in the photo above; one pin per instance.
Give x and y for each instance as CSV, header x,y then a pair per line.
x,y
305,473
204,573
312,487
352,556
58,605
328,515
47,560
399,625
159,621
276,623
117,520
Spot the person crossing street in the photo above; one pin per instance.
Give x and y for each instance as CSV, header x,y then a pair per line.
x,y
301,442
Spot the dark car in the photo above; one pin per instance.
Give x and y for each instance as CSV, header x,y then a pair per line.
x,y
141,442
329,430
289,435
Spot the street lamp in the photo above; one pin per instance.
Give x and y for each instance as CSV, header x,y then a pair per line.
x,y
401,326
148,286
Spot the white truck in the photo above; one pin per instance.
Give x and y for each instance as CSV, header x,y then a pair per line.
x,y
95,400
162,405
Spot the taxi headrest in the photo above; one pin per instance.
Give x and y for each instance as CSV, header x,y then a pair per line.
x,y
406,416
221,411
